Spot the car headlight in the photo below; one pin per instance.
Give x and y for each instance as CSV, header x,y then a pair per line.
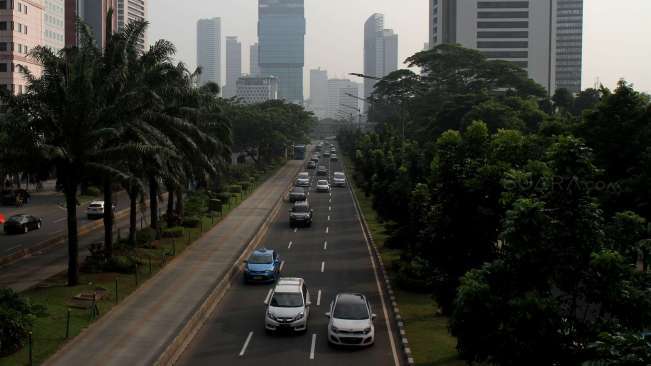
x,y
299,316
334,329
271,316
367,330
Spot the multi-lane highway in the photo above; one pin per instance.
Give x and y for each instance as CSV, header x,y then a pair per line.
x,y
332,256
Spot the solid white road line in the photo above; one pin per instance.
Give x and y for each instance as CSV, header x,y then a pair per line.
x,y
266,299
318,299
322,267
313,346
325,245
282,264
246,344
290,245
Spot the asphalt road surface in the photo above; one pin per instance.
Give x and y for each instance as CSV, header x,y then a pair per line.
x,y
49,207
332,256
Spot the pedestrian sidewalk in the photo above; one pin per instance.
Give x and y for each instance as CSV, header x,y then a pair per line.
x,y
139,330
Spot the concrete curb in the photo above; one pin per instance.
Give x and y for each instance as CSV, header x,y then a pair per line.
x,y
176,348
400,325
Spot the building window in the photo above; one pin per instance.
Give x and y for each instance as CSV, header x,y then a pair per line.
x,y
3,67
20,28
3,4
3,46
25,28
3,26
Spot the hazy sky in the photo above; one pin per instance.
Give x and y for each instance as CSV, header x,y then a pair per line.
x,y
617,34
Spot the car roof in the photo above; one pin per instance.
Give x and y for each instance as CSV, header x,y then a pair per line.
x,y
321,181
289,284
350,298
298,189
301,203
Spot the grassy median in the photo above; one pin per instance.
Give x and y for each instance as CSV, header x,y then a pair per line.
x,y
49,333
430,342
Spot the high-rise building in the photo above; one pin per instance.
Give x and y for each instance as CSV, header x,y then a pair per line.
x,y
542,36
281,39
129,11
380,52
20,31
254,60
257,89
569,45
209,50
319,93
233,66
343,99
54,24
94,13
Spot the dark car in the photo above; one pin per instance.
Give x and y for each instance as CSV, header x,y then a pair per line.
x,y
21,224
15,197
300,214
322,171
297,194
262,266
311,165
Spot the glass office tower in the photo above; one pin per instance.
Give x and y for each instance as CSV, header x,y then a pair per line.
x,y
281,38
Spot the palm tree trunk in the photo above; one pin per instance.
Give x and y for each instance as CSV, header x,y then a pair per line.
x,y
73,239
170,206
179,203
108,217
153,202
133,213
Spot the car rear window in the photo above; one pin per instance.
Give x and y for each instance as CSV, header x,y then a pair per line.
x,y
351,311
323,182
95,205
301,208
17,219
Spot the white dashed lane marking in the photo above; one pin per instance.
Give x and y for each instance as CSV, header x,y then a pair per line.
x,y
325,245
318,299
266,299
246,344
322,269
313,346
290,245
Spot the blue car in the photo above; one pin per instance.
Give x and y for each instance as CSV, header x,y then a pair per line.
x,y
262,266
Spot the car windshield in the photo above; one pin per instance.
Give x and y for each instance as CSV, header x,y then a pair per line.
x,y
95,205
339,175
298,190
17,219
261,259
351,311
323,182
287,300
300,209
304,175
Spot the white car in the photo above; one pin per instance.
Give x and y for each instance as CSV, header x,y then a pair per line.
x,y
303,179
288,306
339,179
95,210
351,321
322,186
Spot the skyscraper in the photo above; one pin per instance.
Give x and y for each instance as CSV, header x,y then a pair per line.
x,y
129,11
233,66
21,26
569,45
342,99
209,50
380,51
254,60
543,36
319,92
94,13
54,21
281,39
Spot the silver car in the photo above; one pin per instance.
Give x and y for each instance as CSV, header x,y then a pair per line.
x,y
288,306
351,321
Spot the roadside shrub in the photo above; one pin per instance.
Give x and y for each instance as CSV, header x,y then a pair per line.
x,y
93,191
196,204
414,275
224,197
122,264
235,188
173,232
191,221
17,316
215,205
245,186
145,236
172,220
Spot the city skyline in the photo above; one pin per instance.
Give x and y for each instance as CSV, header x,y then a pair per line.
x,y
240,19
